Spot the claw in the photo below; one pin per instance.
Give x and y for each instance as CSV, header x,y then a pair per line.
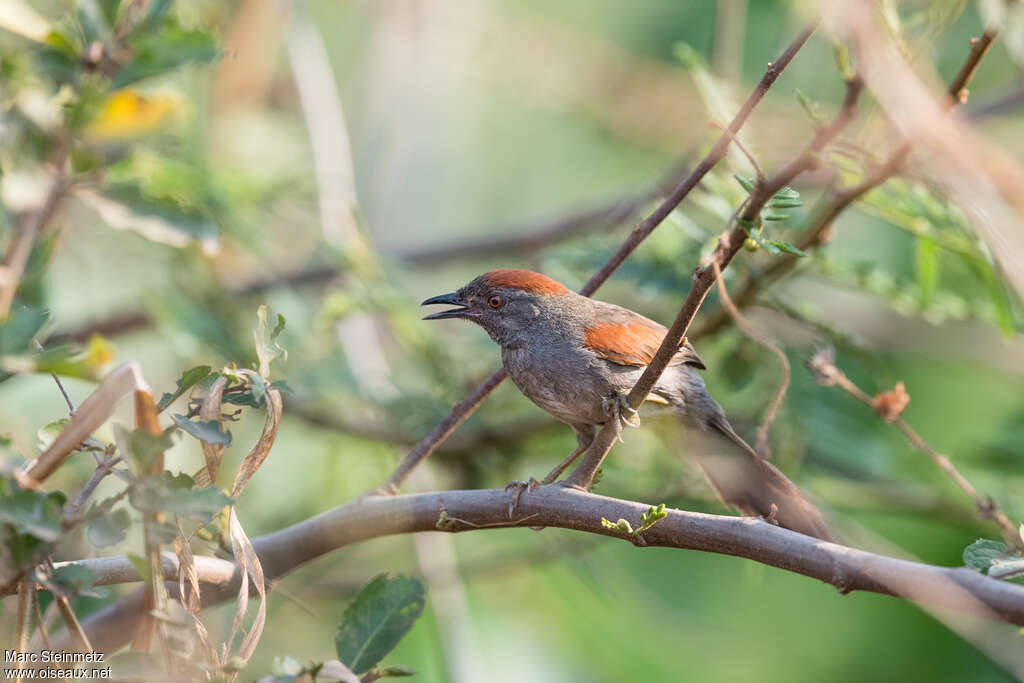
x,y
615,407
519,487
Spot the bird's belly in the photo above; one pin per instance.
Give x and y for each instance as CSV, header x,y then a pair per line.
x,y
570,391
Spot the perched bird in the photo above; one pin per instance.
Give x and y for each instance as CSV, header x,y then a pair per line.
x,y
577,358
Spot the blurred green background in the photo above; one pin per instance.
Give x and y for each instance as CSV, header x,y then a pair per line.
x,y
464,122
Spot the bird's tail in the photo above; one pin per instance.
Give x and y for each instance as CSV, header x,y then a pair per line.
x,y
746,481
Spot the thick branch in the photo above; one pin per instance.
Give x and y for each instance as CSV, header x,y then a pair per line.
x,y
848,569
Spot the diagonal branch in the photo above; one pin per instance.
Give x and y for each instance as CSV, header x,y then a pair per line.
x,y
819,228
827,374
467,406
728,246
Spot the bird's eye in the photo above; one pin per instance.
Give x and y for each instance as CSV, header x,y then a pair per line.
x,y
495,302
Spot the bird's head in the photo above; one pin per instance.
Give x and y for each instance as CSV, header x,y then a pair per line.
x,y
503,302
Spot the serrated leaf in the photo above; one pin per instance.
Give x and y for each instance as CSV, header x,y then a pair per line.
x,y
379,616
140,447
77,579
204,431
188,379
32,513
982,553
108,529
165,49
173,494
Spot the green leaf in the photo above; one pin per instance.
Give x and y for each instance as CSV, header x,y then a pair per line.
x,y
927,268
140,447
174,495
786,247
108,529
784,203
49,432
775,216
981,554
124,206
786,192
77,579
396,672
21,325
141,565
189,379
204,431
746,183
166,49
254,395
379,616
33,513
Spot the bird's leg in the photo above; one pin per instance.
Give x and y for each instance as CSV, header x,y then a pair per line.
x,y
584,437
582,477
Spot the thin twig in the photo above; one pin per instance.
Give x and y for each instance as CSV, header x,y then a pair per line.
x,y
78,636
466,407
822,364
104,468
762,447
727,248
819,228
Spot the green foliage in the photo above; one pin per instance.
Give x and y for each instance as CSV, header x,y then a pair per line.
x,y
209,432
647,520
73,580
994,558
108,529
174,494
189,379
379,616
33,513
785,198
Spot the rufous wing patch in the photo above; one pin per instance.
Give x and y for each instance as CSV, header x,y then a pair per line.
x,y
633,343
525,280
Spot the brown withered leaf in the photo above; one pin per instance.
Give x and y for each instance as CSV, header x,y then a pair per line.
x,y
890,404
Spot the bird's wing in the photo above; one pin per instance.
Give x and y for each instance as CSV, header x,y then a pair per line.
x,y
627,338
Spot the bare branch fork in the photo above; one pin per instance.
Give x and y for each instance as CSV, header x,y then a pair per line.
x,y
463,409
706,276
839,199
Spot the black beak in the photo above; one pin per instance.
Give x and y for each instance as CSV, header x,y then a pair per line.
x,y
450,299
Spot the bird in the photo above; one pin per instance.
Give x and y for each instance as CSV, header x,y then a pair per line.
x,y
577,358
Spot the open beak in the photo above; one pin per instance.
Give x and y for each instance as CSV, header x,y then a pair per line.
x,y
450,299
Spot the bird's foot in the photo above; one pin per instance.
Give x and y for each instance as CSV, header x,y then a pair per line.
x,y
618,408
519,486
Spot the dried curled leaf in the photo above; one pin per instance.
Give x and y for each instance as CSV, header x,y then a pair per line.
x,y
890,404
